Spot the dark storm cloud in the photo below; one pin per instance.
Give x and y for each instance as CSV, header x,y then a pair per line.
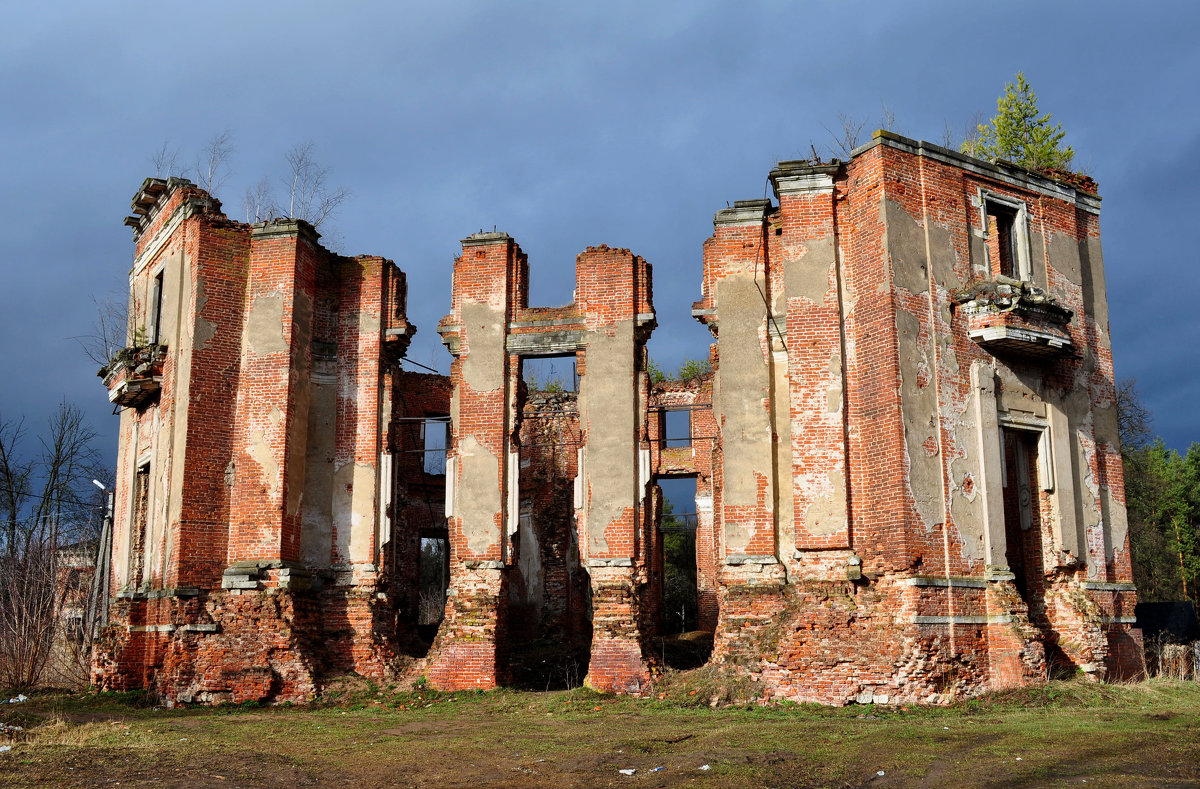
x,y
566,125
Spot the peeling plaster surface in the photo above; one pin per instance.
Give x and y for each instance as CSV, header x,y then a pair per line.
x,y
741,397
316,513
906,245
919,406
827,513
203,330
811,276
260,451
354,507
483,365
478,497
264,327
607,409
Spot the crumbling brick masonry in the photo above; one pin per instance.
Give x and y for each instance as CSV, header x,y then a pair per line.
x,y
908,482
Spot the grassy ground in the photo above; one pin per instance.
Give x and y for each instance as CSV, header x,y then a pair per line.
x,y
1066,733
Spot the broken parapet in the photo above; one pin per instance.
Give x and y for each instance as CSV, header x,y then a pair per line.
x,y
490,330
248,529
920,491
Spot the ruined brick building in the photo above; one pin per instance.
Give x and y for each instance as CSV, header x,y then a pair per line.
x,y
907,479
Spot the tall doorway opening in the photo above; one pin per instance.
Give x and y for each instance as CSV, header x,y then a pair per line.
x,y
683,645
1025,533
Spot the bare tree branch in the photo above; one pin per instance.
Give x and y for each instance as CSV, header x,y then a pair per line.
x,y
109,331
309,196
212,166
1134,419
848,135
37,526
259,203
165,160
948,140
888,119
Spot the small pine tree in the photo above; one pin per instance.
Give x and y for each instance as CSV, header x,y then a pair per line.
x,y
1020,134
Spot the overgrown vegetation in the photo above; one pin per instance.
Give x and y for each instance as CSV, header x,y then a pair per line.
x,y
1162,496
1020,133
49,512
691,368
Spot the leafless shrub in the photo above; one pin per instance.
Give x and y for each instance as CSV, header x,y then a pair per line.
x,y
948,140
309,195
28,607
848,135
165,161
212,165
109,331
431,606
37,527
888,118
971,130
259,203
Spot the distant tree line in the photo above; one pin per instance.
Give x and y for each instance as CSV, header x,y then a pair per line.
x,y
1162,496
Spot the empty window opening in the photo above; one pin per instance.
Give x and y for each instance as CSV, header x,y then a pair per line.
x,y
141,511
433,574
677,428
154,313
435,435
550,374
682,645
1001,239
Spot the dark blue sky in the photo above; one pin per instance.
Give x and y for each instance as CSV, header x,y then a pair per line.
x,y
566,125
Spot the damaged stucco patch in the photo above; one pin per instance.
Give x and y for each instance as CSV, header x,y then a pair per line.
x,y
204,330
746,432
827,513
483,366
906,246
478,496
746,428
608,409
261,452
919,407
354,506
811,276
264,326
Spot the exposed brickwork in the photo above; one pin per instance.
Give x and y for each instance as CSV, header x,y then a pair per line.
x,y
907,472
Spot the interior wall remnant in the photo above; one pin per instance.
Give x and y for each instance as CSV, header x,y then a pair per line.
x,y
906,456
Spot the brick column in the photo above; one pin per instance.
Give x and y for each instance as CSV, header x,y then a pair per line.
x,y
488,282
737,292
272,407
816,378
612,293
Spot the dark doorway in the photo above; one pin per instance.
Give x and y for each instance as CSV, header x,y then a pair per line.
x,y
433,580
682,644
1024,539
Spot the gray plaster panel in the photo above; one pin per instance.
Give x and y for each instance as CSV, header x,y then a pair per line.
x,y
827,514
810,275
316,532
478,497
1064,258
204,330
906,247
920,412
745,428
298,429
264,327
484,364
608,410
